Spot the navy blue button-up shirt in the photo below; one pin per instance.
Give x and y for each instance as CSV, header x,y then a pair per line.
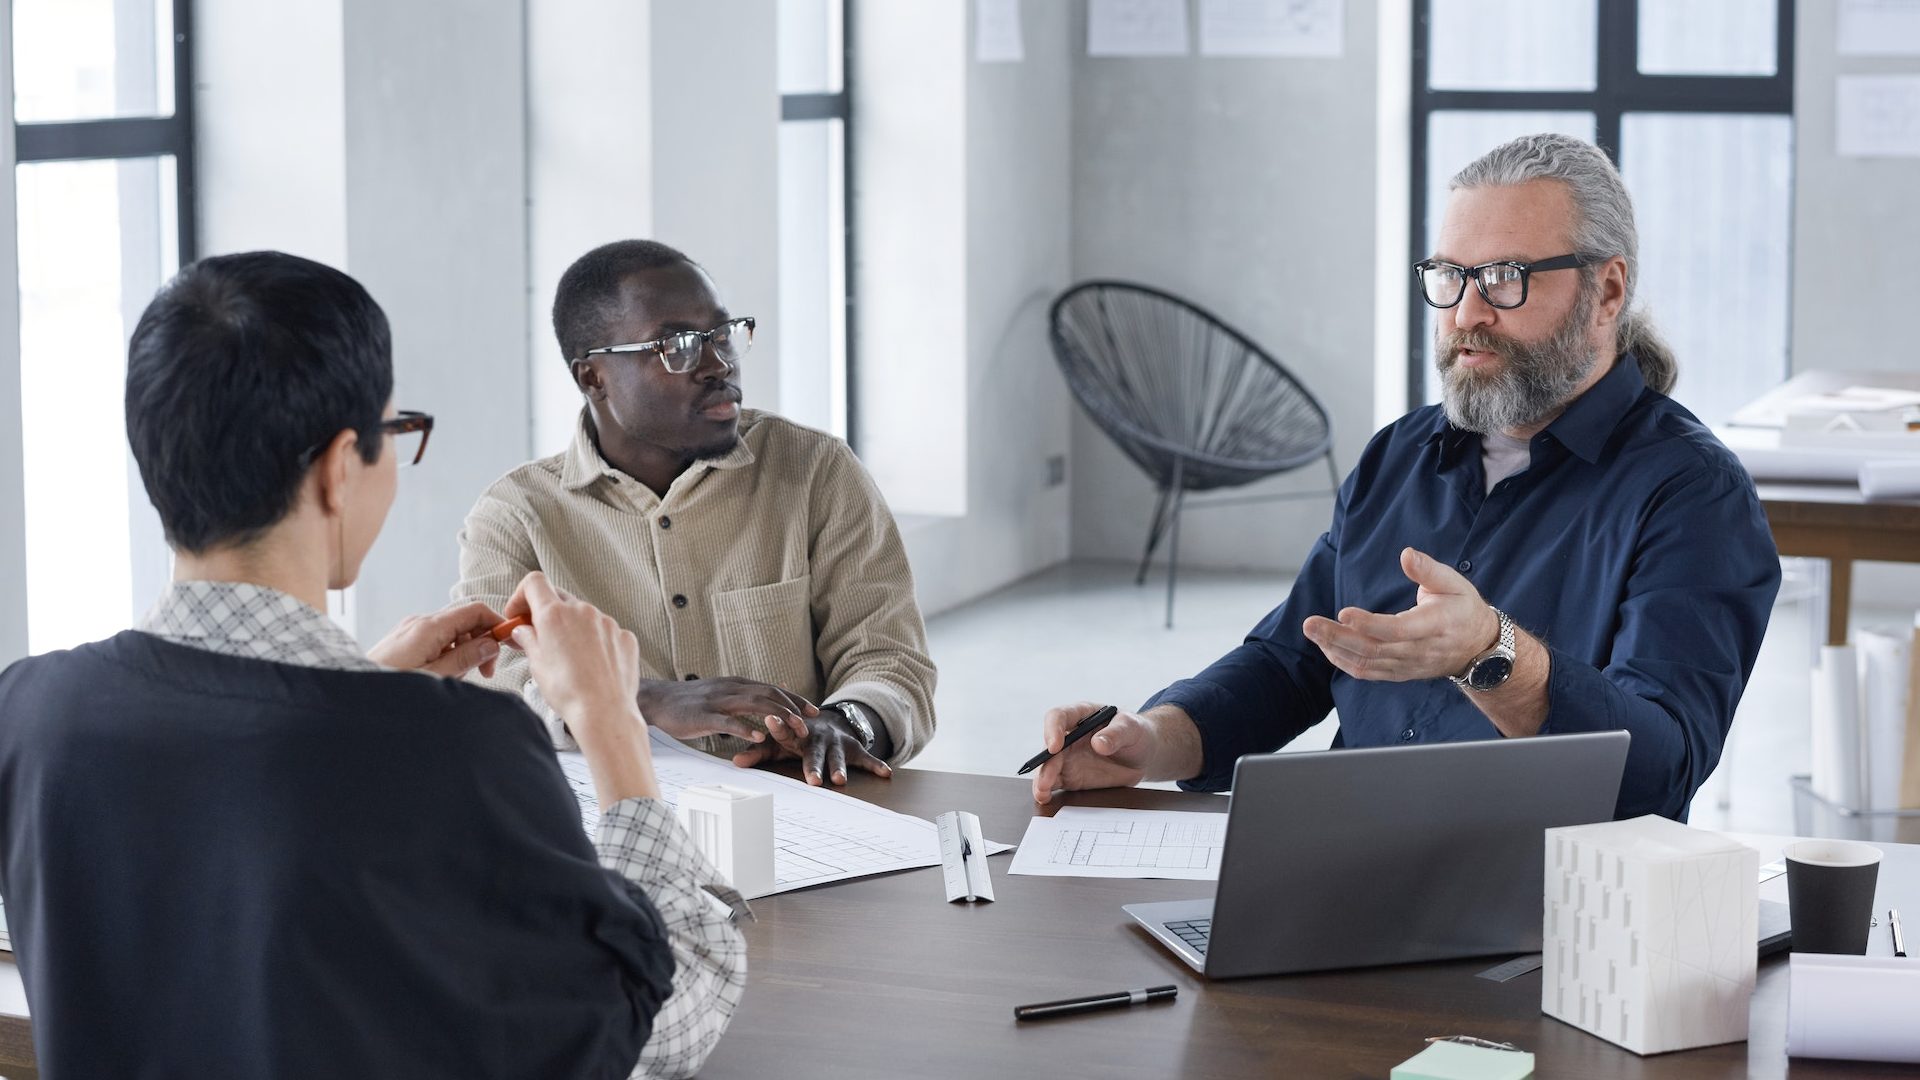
x,y
1633,545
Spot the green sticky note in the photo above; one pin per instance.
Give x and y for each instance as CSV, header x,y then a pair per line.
x,y
1458,1061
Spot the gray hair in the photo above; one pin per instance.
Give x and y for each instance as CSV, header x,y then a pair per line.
x,y
1603,225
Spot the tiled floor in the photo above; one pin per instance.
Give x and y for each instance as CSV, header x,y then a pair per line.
x,y
1084,631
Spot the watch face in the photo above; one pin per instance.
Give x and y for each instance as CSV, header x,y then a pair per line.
x,y
1489,673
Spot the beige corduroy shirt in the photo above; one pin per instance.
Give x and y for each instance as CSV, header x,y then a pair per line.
x,y
778,562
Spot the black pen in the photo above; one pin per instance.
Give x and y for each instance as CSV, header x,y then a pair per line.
x,y
1073,1006
1087,726
1899,939
966,852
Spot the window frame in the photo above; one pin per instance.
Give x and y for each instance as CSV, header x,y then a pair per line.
x,y
1619,88
105,139
814,107
127,137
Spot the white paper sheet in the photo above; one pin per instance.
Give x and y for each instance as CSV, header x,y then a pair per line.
x,y
996,32
1136,27
1837,730
1272,27
1084,841
1884,660
1877,115
818,835
1856,1007
1878,28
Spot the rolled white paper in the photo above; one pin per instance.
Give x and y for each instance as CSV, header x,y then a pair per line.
x,y
1884,661
1890,479
1837,730
1856,1007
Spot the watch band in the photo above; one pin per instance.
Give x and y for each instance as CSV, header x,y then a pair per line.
x,y
1503,651
855,714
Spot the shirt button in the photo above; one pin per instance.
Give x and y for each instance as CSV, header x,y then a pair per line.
x,y
666,522
1407,735
679,600
1464,565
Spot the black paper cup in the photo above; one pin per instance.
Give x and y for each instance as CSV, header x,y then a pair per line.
x,y
1830,895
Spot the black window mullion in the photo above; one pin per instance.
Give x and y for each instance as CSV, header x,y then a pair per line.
x,y
1417,219
186,213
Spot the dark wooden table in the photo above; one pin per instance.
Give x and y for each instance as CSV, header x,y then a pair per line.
x,y
881,977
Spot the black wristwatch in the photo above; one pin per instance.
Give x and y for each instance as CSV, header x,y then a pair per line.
x,y
1491,668
855,714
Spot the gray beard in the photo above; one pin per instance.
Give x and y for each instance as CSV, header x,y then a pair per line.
x,y
1535,381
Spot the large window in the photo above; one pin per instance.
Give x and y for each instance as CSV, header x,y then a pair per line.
x,y
103,132
816,365
1692,98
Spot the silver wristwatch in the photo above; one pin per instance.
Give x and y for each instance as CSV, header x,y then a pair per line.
x,y
1491,668
857,720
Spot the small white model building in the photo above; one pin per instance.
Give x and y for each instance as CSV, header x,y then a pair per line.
x,y
1650,939
733,828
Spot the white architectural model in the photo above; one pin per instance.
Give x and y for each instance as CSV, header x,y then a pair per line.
x,y
733,828
1650,937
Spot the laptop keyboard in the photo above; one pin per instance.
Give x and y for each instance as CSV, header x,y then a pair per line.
x,y
1194,932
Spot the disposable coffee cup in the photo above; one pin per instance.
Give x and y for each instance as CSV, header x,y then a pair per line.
x,y
1830,895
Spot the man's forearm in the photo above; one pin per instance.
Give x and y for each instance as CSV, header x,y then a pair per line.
x,y
1178,753
1518,707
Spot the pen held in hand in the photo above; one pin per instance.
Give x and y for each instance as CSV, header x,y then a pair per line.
x,y
1073,1006
1087,726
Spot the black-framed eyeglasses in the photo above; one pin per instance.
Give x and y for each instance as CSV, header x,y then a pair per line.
x,y
409,430
681,352
1502,284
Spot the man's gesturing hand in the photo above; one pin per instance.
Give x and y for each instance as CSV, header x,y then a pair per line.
x,y
1447,626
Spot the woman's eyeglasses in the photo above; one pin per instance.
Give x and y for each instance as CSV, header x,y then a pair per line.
x,y
409,431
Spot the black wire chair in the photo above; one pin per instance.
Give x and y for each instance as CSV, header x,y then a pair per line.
x,y
1189,399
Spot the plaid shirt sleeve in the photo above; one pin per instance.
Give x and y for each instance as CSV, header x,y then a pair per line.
x,y
641,840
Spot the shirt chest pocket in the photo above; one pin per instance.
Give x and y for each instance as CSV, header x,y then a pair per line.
x,y
766,633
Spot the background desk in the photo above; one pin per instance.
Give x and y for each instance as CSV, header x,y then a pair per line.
x,y
1836,523
882,978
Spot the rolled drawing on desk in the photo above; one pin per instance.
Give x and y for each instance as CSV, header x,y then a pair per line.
x,y
1856,1007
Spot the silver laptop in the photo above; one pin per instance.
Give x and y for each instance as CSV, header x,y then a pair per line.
x,y
1352,858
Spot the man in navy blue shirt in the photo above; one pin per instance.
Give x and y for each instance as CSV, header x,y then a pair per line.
x,y
1557,547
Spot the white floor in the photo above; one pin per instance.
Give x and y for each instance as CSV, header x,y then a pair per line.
x,y
1083,631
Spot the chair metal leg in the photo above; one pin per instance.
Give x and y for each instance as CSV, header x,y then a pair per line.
x,y
1334,472
1173,542
1154,533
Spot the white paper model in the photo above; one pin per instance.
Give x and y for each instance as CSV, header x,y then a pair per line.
x,y
1650,934
733,828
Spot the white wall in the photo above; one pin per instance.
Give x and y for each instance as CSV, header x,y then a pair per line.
x,y
589,168
383,137
716,164
1012,238
436,231
1855,231
910,333
1233,183
270,106
13,499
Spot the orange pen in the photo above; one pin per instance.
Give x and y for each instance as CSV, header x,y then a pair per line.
x,y
504,630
